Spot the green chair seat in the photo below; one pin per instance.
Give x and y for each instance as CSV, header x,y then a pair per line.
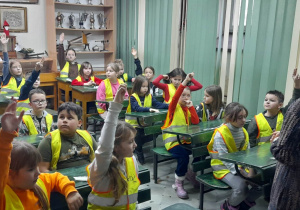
x,y
161,151
208,179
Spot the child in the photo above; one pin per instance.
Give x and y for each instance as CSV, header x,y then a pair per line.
x,y
12,71
22,185
113,173
141,101
67,146
123,76
108,88
228,138
174,78
32,81
148,72
68,67
36,120
181,112
264,124
212,107
86,76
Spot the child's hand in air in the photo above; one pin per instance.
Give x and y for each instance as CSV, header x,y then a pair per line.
x,y
61,38
39,65
74,201
166,77
134,53
188,78
188,103
9,120
133,79
4,40
296,78
119,98
153,110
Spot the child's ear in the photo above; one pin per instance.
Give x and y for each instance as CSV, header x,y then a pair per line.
x,y
280,105
79,123
30,104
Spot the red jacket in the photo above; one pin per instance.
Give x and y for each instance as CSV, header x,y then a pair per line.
x,y
77,83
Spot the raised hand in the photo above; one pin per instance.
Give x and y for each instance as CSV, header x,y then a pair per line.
x,y
61,38
134,52
119,98
4,40
153,110
188,78
296,78
74,201
166,77
39,65
9,120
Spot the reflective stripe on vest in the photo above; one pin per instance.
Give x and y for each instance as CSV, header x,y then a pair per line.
x,y
125,76
56,145
205,113
179,119
105,200
219,169
23,105
79,79
264,129
108,93
27,119
11,86
172,91
13,202
65,71
147,103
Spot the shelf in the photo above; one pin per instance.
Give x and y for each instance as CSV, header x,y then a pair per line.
x,y
93,52
78,29
83,5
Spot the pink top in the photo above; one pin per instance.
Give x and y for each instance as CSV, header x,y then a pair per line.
x,y
101,95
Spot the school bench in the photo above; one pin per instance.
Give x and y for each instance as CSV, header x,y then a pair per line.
x,y
58,201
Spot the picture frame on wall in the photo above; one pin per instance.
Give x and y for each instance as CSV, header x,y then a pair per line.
x,y
16,18
20,1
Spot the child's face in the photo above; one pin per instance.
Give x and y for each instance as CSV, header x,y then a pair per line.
x,y
37,83
272,102
110,73
126,147
25,178
185,97
208,99
68,123
87,71
241,119
70,55
16,68
121,70
176,80
144,88
148,74
38,102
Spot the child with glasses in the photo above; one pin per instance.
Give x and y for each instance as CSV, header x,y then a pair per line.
x,y
36,120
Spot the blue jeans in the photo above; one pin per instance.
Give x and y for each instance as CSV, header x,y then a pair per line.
x,y
182,156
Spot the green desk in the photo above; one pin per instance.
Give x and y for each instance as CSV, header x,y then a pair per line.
x,y
63,84
4,100
33,139
148,118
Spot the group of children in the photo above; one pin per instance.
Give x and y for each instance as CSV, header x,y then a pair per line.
x,y
112,170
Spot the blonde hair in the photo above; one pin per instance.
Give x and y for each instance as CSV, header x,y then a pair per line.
x,y
114,67
24,154
119,62
117,184
12,62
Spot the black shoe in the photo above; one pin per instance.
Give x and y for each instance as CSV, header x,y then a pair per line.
x,y
246,205
140,157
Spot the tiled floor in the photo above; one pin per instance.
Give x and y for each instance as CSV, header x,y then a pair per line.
x,y
163,195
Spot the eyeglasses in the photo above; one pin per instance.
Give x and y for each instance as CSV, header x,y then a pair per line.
x,y
39,102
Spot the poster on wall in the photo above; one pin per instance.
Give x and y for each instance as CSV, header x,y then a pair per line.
x,y
16,18
20,1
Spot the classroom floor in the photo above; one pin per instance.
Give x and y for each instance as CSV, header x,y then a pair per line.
x,y
163,195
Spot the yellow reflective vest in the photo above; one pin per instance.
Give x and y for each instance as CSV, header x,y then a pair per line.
x,y
219,169
65,71
172,91
105,200
147,103
264,129
27,119
56,145
179,119
206,116
23,105
108,93
11,86
80,80
125,77
13,202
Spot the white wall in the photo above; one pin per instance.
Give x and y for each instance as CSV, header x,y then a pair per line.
x,y
35,38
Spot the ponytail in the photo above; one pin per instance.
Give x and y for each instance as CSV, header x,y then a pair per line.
x,y
43,200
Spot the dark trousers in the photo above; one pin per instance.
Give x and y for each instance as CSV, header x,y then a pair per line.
x,y
141,139
182,156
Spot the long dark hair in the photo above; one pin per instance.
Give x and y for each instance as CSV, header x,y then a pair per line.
x,y
215,91
174,73
138,82
232,111
86,65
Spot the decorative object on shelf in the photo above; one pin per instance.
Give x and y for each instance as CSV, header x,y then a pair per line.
x,y
6,28
60,20
103,42
92,20
78,2
81,22
29,52
66,1
72,20
16,17
102,21
81,40
20,1
90,2
101,2
96,48
57,1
